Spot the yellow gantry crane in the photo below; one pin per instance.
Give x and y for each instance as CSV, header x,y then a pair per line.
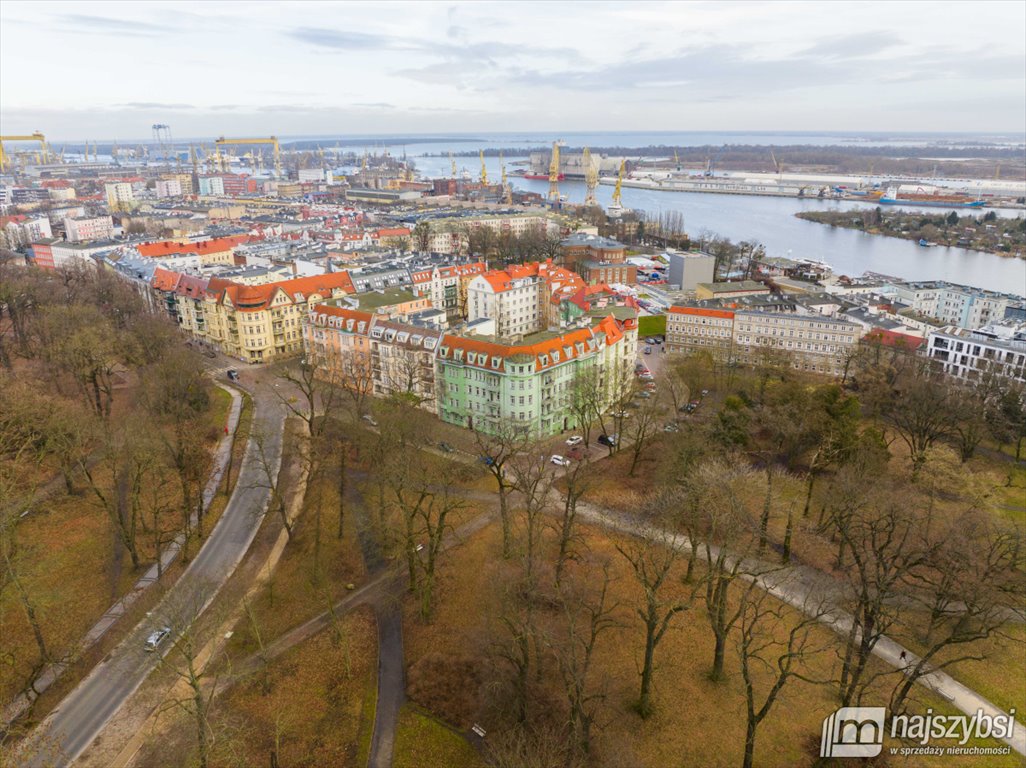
x,y
554,172
484,170
37,136
617,203
272,140
507,190
676,159
590,178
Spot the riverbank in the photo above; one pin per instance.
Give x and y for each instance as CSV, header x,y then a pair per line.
x,y
985,233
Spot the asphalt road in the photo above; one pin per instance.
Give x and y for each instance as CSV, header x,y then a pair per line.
x,y
80,717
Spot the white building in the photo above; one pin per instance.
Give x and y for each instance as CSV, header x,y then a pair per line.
x,y
19,234
999,349
513,302
61,193
211,185
318,175
119,195
959,305
89,228
169,188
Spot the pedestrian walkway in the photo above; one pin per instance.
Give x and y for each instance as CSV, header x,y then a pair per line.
x,y
170,553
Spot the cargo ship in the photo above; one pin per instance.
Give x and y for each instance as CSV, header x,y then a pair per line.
x,y
939,201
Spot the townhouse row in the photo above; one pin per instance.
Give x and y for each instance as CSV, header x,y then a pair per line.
x,y
478,382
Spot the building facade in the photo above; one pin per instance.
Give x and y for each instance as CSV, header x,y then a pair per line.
x,y
998,350
87,228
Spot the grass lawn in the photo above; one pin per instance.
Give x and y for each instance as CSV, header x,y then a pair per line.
x,y
651,325
421,741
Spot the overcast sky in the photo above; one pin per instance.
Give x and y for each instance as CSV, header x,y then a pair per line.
x,y
110,70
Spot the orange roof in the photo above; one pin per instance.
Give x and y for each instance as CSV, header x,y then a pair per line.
x,y
393,232
545,353
164,279
254,298
702,312
170,247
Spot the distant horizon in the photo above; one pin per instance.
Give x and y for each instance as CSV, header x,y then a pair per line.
x,y
532,135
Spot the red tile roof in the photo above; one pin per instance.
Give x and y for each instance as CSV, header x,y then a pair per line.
x,y
164,279
702,312
171,247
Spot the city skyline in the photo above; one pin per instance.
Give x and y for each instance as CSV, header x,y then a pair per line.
x,y
316,68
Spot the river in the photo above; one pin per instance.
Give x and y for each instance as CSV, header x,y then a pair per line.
x,y
771,222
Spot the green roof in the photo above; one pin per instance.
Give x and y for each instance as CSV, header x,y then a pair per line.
x,y
376,299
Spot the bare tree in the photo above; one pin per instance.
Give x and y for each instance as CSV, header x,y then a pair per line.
x,y
575,653
764,656
495,450
651,564
578,480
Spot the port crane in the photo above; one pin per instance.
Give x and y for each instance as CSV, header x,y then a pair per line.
x,y
590,178
711,163
554,173
484,170
272,140
452,162
616,206
676,160
507,190
37,136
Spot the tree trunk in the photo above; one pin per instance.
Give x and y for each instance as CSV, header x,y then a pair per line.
x,y
764,520
341,491
645,699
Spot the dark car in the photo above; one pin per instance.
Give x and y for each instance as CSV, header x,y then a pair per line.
x,y
486,460
233,374
446,447
608,440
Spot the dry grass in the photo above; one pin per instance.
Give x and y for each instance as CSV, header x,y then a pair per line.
x,y
696,721
423,742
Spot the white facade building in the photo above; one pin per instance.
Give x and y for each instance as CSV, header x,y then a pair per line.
x,y
89,228
119,195
514,303
168,188
999,349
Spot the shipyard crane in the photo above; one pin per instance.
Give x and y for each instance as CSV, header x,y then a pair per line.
x,y
617,204
37,136
676,160
711,163
452,162
590,178
507,190
272,140
554,173
484,170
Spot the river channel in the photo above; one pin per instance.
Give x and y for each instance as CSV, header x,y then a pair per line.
x,y
771,221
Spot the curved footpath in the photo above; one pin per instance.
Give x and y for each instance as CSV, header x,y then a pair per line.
x,y
80,717
53,672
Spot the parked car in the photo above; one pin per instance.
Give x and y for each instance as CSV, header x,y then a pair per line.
x,y
369,419
210,353
647,377
688,408
233,375
446,447
648,350
560,461
156,638
705,392
671,427
486,460
644,394
639,367
660,339
574,440
609,440
620,415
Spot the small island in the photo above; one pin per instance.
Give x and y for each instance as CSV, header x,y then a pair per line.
x,y
976,231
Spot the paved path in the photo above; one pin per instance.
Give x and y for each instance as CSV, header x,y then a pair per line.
x,y
804,589
82,714
53,672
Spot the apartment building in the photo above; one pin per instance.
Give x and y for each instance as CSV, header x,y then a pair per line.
x,y
20,231
691,330
486,384
447,286
218,250
951,304
211,185
513,298
402,360
168,188
996,349
120,196
811,342
84,228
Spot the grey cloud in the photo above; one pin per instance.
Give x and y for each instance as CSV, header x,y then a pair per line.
x,y
153,105
374,104
853,46
343,41
113,26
